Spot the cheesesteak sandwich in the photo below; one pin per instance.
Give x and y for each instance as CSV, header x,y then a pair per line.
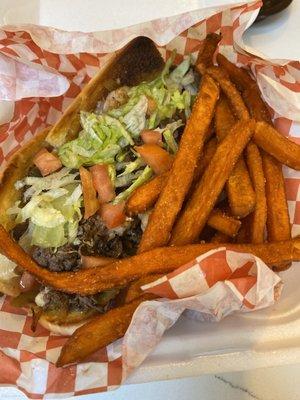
x,y
63,194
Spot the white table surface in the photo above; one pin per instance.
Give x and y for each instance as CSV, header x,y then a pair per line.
x,y
277,37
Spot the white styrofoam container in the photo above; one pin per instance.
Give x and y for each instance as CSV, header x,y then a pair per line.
x,y
240,342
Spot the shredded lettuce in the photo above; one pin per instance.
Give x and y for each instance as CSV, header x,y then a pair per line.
x,y
100,141
167,92
168,134
144,177
177,76
127,179
135,119
53,208
132,166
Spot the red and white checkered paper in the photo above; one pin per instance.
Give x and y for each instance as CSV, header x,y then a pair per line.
x,y
223,281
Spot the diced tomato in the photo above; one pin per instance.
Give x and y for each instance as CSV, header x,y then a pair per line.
x,y
156,157
98,261
27,282
151,137
102,183
113,215
47,162
90,201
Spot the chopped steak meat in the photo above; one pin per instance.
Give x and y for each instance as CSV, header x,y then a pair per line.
x,y
95,239
54,300
65,258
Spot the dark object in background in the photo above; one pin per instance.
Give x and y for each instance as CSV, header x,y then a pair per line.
x,y
272,7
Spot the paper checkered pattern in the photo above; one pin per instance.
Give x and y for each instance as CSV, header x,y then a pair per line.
x,y
210,287
27,358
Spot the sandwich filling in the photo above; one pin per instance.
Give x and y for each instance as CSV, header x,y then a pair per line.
x,y
73,203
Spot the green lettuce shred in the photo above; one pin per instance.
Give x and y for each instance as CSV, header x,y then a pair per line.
x,y
53,209
100,141
143,178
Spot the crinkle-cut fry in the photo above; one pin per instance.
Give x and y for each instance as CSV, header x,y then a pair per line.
x,y
220,237
196,212
259,216
223,223
206,54
233,95
99,332
272,142
144,197
134,290
239,76
158,261
161,221
241,196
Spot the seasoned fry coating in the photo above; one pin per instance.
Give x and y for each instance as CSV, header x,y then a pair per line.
x,y
278,146
239,76
278,224
206,54
98,333
224,119
195,214
181,175
231,92
223,223
158,261
259,215
134,289
145,196
241,196
278,220
220,237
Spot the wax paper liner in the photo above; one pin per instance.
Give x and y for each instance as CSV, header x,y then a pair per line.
x,y
26,359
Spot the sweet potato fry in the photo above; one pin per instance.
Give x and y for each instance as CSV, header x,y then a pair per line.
x,y
95,262
243,235
241,196
206,54
239,76
223,223
208,153
281,148
256,106
220,237
134,290
278,223
98,332
278,220
144,197
157,261
231,92
171,198
224,119
199,206
259,215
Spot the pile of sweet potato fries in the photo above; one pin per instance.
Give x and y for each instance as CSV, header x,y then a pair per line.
x,y
224,188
